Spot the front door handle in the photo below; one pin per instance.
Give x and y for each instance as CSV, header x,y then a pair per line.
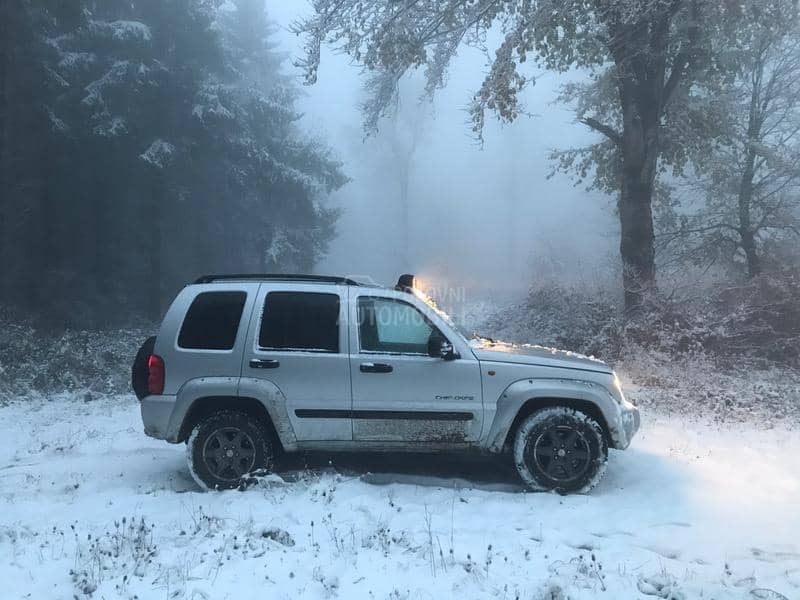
x,y
264,363
369,367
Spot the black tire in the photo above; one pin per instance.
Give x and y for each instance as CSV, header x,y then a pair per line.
x,y
560,449
227,449
140,371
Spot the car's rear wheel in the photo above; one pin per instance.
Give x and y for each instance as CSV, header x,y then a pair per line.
x,y
560,449
226,449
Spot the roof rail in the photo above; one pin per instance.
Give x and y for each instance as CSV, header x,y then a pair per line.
x,y
277,277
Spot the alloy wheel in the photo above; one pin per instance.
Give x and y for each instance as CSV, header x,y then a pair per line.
x,y
229,453
561,453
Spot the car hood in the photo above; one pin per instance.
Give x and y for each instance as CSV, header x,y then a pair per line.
x,y
536,355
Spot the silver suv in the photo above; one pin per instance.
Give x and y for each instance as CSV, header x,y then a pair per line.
x,y
246,367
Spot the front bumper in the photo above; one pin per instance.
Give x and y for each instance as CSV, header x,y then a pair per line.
x,y
156,415
631,420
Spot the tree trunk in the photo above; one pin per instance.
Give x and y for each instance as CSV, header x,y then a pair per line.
x,y
101,235
639,156
153,245
747,237
745,201
6,47
637,238
751,254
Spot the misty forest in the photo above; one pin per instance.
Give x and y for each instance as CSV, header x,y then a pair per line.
x,y
614,178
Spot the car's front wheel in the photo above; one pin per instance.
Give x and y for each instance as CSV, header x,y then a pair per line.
x,y
560,449
227,448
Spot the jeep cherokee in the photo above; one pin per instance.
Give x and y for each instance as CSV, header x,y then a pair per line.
x,y
247,366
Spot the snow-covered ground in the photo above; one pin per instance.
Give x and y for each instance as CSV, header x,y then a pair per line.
x,y
91,507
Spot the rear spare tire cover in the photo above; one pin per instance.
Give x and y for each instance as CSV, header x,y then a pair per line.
x,y
140,372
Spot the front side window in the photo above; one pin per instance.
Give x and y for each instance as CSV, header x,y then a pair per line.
x,y
300,321
392,326
212,321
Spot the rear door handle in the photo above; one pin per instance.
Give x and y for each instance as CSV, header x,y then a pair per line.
x,y
264,363
369,367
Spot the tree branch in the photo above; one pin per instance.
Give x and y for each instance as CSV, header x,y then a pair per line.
x,y
606,130
685,58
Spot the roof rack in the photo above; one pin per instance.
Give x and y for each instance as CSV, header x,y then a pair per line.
x,y
277,277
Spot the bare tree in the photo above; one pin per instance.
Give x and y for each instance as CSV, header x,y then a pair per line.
x,y
750,181
649,49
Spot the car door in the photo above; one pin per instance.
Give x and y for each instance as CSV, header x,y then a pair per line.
x,y
300,344
400,393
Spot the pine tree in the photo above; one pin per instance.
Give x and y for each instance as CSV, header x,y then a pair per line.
x,y
153,141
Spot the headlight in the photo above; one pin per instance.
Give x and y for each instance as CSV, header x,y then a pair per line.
x,y
616,389
617,384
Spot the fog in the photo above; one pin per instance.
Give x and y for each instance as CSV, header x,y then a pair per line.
x,y
483,217
165,144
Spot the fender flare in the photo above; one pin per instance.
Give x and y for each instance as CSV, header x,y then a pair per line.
x,y
272,399
264,392
527,394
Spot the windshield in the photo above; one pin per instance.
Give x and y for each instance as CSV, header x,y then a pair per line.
x,y
458,328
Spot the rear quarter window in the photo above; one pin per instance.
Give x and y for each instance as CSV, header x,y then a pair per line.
x,y
212,321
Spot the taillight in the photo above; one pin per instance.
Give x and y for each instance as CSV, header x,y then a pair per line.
x,y
155,374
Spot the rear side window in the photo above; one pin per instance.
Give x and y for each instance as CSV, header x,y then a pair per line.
x,y
212,321
300,321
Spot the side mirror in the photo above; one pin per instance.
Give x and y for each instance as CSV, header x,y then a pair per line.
x,y
439,347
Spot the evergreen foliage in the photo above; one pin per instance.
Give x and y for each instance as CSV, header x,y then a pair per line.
x,y
143,143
